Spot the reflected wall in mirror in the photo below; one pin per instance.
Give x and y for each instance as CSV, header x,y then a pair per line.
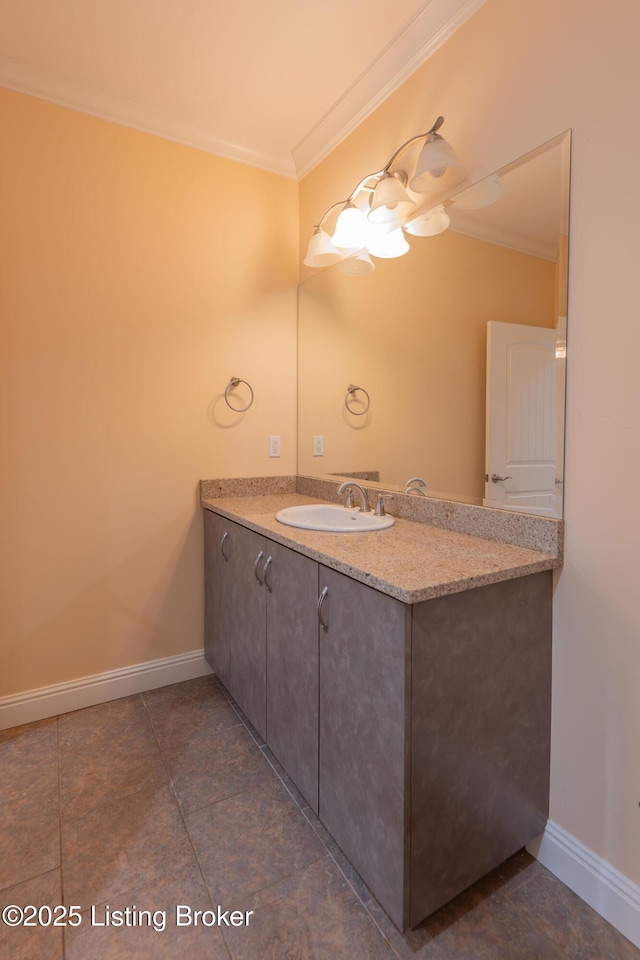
x,y
413,334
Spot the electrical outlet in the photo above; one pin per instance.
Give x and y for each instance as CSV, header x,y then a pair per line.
x,y
318,446
274,446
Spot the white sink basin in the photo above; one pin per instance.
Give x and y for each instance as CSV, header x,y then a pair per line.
x,y
332,518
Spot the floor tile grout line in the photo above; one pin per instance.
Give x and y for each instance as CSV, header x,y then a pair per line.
x,y
364,905
197,860
131,890
167,753
267,886
123,893
114,798
346,878
120,795
156,741
141,784
185,824
28,879
328,852
65,815
244,722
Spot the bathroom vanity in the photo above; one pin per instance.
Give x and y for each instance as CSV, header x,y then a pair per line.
x,y
401,677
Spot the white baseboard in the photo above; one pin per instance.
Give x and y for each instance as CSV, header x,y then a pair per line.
x,y
87,691
600,885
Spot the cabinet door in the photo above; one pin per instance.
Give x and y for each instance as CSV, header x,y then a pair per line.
x,y
292,667
481,732
248,623
364,733
217,581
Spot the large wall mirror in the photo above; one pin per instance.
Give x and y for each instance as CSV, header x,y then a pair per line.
x,y
448,363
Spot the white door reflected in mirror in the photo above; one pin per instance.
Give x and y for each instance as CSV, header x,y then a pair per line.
x,y
521,428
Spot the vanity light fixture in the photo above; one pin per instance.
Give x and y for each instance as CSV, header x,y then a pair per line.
x,y
321,252
429,224
391,245
436,162
351,229
480,194
388,206
390,201
357,265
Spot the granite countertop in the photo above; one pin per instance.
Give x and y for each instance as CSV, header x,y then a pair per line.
x,y
409,561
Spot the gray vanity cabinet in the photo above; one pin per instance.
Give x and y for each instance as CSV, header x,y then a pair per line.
x,y
419,733
235,614
292,667
434,734
365,650
261,639
217,600
481,712
247,620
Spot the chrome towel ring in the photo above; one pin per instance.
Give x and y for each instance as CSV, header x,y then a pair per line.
x,y
350,397
233,383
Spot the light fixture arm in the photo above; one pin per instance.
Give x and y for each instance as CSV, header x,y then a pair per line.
x,y
385,170
409,143
340,203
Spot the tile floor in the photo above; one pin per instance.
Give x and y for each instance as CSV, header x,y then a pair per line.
x,y
171,798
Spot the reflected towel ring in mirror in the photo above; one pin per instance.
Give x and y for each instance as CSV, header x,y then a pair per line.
x,y
350,396
233,383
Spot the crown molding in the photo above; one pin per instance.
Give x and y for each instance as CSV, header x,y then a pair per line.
x,y
434,23
36,81
428,29
494,233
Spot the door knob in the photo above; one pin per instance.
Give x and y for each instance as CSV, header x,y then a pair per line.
x,y
496,479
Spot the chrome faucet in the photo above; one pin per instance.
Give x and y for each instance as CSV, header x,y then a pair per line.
x,y
347,488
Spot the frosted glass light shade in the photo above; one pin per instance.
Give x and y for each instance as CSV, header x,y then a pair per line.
x,y
351,229
479,195
437,168
392,245
321,252
429,224
358,265
390,201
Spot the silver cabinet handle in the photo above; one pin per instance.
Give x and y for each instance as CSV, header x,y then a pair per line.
x,y
255,568
325,591
267,564
225,537
496,479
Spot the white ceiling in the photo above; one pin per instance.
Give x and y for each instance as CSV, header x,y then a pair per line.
x,y
275,83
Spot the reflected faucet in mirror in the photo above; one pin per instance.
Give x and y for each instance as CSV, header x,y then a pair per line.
x,y
416,485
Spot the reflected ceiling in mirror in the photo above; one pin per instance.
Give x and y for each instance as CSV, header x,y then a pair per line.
x,y
412,337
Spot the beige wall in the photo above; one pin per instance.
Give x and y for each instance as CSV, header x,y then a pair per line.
x,y
128,302
414,334
136,276
515,75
